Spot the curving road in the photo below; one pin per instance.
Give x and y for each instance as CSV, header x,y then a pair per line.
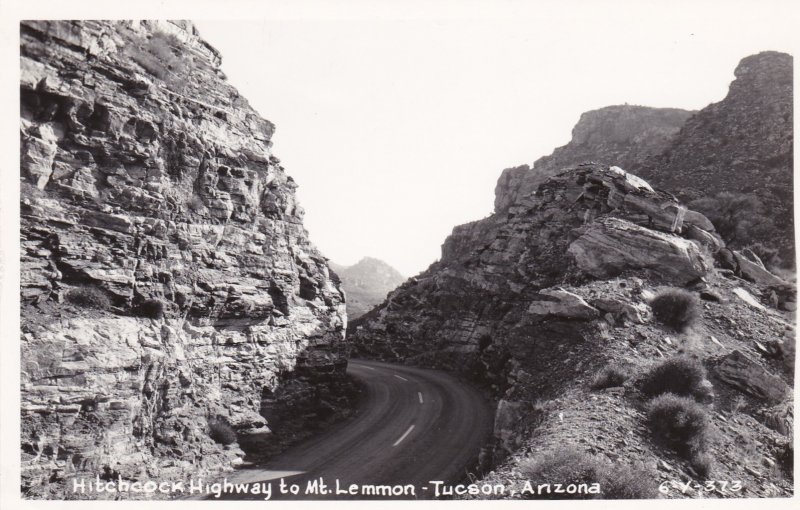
x,y
412,426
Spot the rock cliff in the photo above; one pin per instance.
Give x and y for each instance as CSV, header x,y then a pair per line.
x,y
366,284
172,304
621,135
742,144
557,285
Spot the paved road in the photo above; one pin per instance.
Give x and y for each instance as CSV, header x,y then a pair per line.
x,y
412,426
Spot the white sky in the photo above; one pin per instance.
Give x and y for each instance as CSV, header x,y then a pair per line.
x,y
397,117
397,129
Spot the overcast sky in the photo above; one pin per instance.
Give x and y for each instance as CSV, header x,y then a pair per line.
x,y
396,130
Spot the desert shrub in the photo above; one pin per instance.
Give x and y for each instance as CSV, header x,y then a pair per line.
x,y
779,418
679,375
610,376
739,218
769,255
786,354
702,463
677,308
89,296
680,422
151,64
220,431
565,466
158,57
152,308
572,466
786,458
629,482
196,203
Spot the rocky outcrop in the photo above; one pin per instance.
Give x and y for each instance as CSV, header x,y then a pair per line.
x,y
621,135
523,304
612,246
752,268
169,289
745,374
366,284
560,303
742,144
491,290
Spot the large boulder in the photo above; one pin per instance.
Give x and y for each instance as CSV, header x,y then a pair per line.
x,y
564,304
610,246
746,375
751,268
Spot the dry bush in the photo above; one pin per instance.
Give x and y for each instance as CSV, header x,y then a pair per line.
x,y
158,57
630,482
678,375
152,308
220,431
786,458
89,296
680,422
702,463
195,203
787,355
610,376
565,466
677,309
572,466
739,218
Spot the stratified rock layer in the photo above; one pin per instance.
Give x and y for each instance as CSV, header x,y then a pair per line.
x,y
149,182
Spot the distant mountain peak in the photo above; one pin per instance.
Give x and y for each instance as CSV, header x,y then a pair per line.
x,y
366,283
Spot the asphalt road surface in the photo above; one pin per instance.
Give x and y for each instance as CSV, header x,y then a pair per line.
x,y
412,426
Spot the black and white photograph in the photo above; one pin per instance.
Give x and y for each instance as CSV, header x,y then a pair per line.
x,y
416,251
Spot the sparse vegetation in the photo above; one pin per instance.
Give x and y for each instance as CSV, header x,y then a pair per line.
x,y
571,466
220,431
89,296
565,466
195,204
702,464
679,375
158,57
786,458
630,482
768,255
738,217
610,376
152,308
681,423
677,309
786,354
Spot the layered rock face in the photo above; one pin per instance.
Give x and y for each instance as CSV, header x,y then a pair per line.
x,y
169,289
742,144
366,284
622,135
